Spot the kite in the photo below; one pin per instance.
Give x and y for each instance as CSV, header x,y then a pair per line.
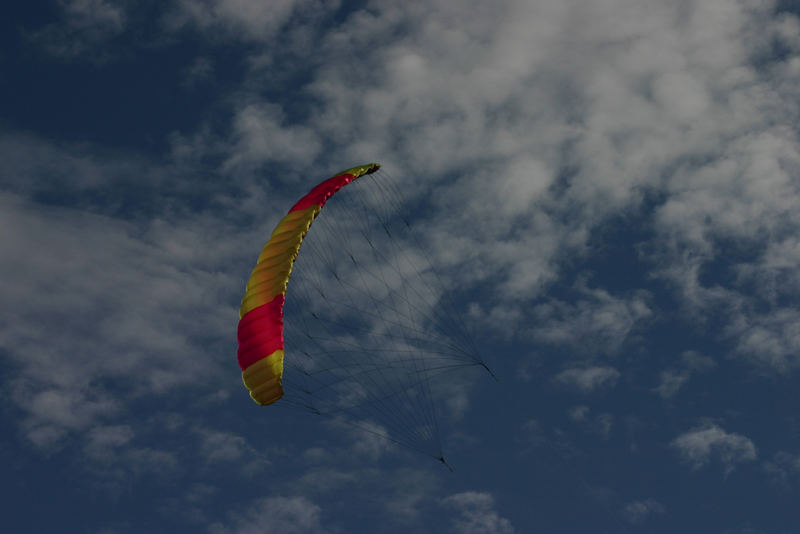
x,y
260,332
344,314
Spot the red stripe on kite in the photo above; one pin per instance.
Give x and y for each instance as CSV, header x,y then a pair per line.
x,y
321,193
261,332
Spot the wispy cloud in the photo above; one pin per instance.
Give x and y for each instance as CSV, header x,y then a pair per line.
x,y
404,495
97,303
597,322
226,447
673,379
637,512
262,135
239,19
783,468
702,444
86,27
293,515
600,424
588,379
475,514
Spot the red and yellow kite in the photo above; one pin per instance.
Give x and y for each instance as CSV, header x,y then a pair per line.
x,y
261,314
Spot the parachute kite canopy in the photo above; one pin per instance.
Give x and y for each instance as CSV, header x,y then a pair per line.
x,y
367,322
260,334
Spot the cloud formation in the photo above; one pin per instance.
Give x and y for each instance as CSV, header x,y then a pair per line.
x,y
702,444
475,514
637,512
588,379
292,515
87,26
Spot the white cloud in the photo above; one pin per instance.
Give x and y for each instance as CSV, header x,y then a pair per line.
x,y
700,445
672,380
199,71
772,338
291,515
86,26
550,129
103,440
52,413
97,301
552,118
724,210
115,454
697,363
578,413
369,441
782,468
193,505
404,495
411,492
216,446
475,514
637,512
598,322
603,424
240,19
34,165
325,479
589,379
262,136
152,461
600,424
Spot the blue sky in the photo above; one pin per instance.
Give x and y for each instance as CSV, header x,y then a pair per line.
x,y
612,192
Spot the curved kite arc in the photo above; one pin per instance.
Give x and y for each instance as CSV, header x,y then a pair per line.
x,y
260,331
